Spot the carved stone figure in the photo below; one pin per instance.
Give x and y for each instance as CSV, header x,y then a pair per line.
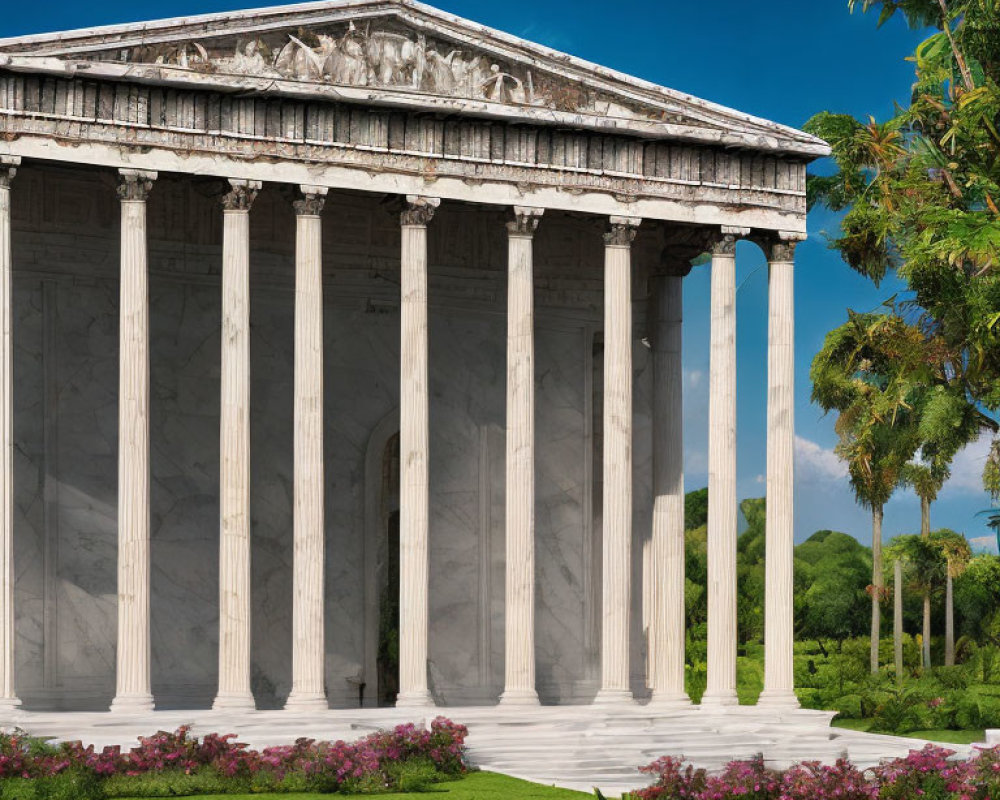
x,y
502,87
470,76
393,58
297,60
349,61
362,58
247,60
441,71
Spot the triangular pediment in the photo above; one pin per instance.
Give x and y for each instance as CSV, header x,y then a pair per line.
x,y
400,53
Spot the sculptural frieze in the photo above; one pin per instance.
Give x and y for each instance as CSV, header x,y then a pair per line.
x,y
373,56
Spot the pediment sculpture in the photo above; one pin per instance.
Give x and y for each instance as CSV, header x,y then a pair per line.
x,y
374,56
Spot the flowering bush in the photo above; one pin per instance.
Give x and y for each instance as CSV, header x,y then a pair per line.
x,y
814,781
170,764
930,774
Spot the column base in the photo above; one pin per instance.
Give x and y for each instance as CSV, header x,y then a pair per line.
x,y
132,704
235,701
307,701
419,699
519,697
720,698
778,698
668,701
10,703
614,697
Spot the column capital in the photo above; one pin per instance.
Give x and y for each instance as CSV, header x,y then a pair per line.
x,y
725,242
524,221
241,195
621,231
8,169
419,210
134,185
311,203
781,246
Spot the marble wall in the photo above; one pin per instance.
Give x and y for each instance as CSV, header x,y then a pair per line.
x,y
66,260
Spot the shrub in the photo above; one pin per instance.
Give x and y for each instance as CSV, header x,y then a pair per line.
x,y
72,784
176,764
674,781
924,773
848,706
744,780
813,781
929,773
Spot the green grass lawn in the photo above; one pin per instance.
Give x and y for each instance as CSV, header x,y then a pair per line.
x,y
475,786
951,737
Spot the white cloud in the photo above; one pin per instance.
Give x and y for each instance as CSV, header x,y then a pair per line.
x,y
967,468
761,479
984,544
816,463
693,377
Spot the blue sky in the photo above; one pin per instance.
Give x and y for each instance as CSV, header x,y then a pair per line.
x,y
781,60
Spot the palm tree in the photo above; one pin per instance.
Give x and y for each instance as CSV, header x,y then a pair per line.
x,y
957,555
897,618
926,481
924,561
864,372
992,522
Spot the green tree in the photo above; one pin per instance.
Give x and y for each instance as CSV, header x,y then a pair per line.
x,y
832,571
865,372
977,597
957,554
924,570
926,482
695,509
750,567
921,193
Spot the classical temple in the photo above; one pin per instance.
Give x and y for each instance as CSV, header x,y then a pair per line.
x,y
341,365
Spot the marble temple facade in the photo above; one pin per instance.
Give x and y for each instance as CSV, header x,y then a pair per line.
x,y
319,315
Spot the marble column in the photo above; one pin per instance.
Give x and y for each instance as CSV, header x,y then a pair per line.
x,y
133,692
308,687
519,637
414,459
721,684
617,492
8,697
667,639
779,672
234,448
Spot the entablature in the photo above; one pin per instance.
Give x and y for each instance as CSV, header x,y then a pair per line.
x,y
351,145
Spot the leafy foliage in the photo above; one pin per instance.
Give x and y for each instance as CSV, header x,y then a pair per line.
x,y
167,764
921,192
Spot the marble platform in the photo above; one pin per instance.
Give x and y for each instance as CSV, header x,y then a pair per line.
x,y
574,747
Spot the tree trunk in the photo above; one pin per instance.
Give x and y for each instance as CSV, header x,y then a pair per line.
x,y
963,66
949,622
897,617
925,533
877,585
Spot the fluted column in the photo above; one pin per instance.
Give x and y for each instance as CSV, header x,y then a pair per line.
x,y
779,672
133,692
234,448
617,493
667,638
721,685
414,499
308,688
519,639
8,697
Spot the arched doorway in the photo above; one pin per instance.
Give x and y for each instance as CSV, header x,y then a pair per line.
x,y
387,660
